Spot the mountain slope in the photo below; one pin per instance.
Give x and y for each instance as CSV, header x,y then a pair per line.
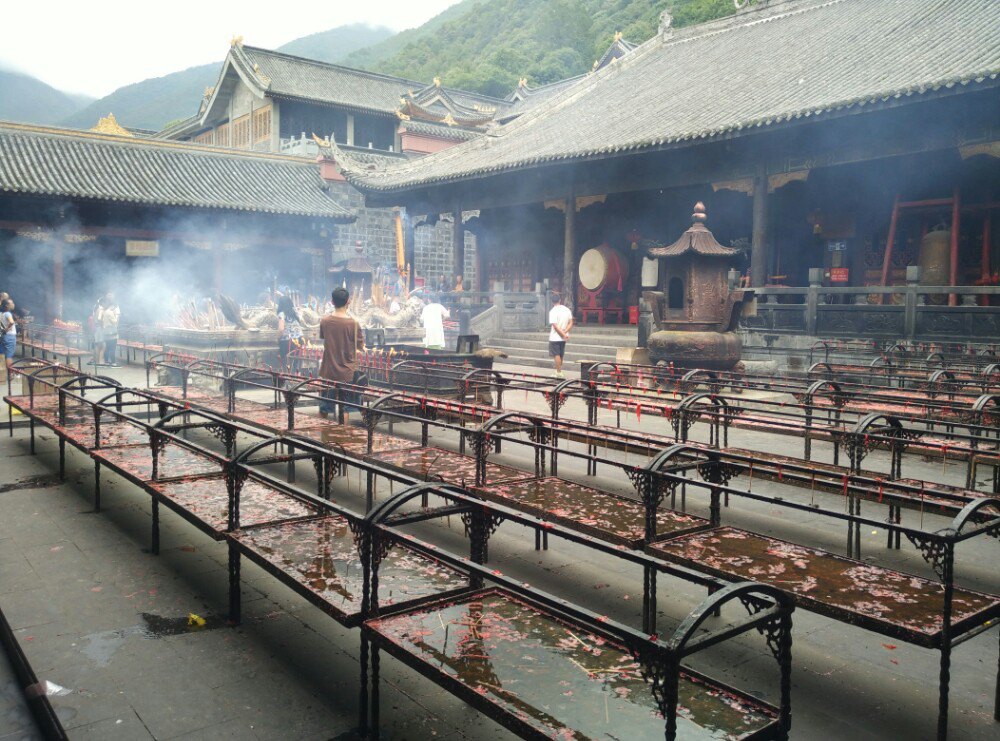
x,y
26,98
490,45
370,56
338,43
153,103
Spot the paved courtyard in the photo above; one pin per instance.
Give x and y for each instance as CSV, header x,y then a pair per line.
x,y
107,622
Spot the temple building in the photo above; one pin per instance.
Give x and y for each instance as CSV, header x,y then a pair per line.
x,y
76,207
112,195
820,135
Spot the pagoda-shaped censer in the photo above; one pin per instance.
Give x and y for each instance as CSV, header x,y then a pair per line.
x,y
695,311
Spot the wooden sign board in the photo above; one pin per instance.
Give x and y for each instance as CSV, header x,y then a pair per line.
x,y
141,248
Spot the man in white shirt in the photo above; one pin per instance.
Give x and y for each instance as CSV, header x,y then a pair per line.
x,y
561,322
433,317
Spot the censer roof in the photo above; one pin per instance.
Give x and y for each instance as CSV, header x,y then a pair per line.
x,y
697,239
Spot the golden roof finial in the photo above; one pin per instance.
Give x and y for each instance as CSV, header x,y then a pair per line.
x,y
618,35
596,62
448,119
523,82
209,91
108,125
437,82
236,41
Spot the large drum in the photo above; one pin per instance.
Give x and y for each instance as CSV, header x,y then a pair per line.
x,y
603,269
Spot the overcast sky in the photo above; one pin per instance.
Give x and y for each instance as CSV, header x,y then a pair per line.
x,y
96,47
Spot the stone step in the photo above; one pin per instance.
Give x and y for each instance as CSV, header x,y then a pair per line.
x,y
540,356
574,345
575,339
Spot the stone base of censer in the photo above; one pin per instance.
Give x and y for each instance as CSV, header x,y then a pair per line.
x,y
686,349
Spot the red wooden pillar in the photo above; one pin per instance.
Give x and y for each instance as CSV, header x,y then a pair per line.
x,y
57,279
887,257
956,223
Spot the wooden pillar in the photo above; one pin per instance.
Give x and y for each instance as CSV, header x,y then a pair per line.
x,y
349,137
569,254
956,223
478,284
57,279
216,269
760,257
458,245
410,248
987,240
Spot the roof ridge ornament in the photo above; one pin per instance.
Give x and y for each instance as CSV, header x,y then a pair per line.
x,y
236,41
110,125
666,22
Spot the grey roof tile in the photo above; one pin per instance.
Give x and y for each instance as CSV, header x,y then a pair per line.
x,y
776,62
297,77
77,164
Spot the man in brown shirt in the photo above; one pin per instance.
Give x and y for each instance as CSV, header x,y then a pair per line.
x,y
342,339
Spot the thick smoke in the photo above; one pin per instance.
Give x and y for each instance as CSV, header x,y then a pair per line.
x,y
148,289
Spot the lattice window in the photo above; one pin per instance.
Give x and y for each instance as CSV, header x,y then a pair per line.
x,y
222,135
262,124
241,132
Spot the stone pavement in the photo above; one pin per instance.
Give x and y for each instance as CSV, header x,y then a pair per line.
x,y
99,616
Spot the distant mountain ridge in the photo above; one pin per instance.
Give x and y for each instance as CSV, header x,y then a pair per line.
x,y
153,103
481,45
26,98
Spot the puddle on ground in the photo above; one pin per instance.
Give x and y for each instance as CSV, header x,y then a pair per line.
x,y
32,482
101,647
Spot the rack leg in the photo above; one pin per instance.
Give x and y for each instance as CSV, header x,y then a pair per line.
x,y
154,546
235,597
97,486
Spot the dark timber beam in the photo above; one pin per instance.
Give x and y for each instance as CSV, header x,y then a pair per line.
x,y
759,255
569,253
458,244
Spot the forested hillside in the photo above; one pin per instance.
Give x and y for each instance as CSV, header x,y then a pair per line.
x,y
491,44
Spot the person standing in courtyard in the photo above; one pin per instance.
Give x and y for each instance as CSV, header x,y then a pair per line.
x,y
111,314
432,317
560,323
342,340
8,332
94,322
289,330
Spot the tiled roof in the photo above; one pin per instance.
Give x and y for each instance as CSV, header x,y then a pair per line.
x,y
773,63
295,77
442,131
526,97
75,164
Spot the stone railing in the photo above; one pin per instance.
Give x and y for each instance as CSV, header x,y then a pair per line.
x,y
878,312
491,314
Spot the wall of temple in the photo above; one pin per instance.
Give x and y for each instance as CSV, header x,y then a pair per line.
x,y
375,228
